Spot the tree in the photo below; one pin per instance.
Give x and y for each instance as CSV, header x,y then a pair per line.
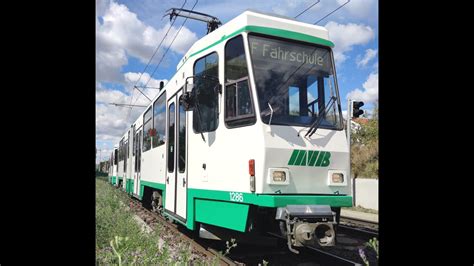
x,y
365,148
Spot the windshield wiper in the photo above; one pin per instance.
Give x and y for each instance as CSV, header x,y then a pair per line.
x,y
316,123
271,114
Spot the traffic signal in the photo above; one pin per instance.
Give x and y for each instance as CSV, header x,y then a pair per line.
x,y
356,112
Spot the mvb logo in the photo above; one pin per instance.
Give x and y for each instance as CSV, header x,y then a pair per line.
x,y
310,158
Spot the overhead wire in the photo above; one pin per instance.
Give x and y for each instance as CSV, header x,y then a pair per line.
x,y
164,54
332,12
151,58
176,35
307,9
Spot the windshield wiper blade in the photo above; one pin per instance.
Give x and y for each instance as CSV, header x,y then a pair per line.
x,y
316,123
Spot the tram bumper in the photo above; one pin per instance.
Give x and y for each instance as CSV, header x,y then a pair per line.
x,y
307,225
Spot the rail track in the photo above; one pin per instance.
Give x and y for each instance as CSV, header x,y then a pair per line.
x,y
358,227
151,218
248,254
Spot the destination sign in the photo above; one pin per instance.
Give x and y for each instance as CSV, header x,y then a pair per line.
x,y
289,53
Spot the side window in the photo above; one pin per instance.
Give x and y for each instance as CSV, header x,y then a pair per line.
x,y
159,121
181,137
171,117
147,130
125,156
235,61
115,156
121,151
134,141
205,117
239,110
127,145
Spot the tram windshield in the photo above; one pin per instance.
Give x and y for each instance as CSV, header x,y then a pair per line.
x,y
295,82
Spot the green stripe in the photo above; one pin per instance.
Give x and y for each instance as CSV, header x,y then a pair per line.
x,y
293,157
289,35
300,157
229,214
268,31
303,161
263,200
312,159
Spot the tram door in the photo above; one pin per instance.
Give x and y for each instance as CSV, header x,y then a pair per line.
x,y
138,156
176,172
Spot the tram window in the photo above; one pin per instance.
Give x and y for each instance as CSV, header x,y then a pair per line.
x,y
239,109
121,151
181,137
159,121
115,156
147,126
235,62
171,118
127,145
134,141
206,83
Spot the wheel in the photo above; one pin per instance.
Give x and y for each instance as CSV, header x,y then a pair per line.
x,y
156,202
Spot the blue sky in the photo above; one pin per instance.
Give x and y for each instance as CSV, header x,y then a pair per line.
x,y
127,33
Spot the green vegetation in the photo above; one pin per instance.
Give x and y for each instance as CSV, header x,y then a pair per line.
x,y
120,240
372,248
365,148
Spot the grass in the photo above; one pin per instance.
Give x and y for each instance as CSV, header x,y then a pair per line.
x,y
361,209
120,240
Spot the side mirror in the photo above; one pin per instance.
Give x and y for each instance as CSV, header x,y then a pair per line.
x,y
188,101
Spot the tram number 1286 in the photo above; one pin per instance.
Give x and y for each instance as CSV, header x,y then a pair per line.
x,y
236,196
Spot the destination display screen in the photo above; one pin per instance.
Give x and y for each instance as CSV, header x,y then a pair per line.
x,y
289,53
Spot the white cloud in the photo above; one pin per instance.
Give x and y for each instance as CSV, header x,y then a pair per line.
x,y
369,55
112,121
370,93
122,34
101,6
345,36
358,8
294,7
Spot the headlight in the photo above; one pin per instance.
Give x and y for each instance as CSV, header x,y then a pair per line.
x,y
338,178
279,176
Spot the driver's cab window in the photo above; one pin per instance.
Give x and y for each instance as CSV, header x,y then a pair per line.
x,y
206,84
239,110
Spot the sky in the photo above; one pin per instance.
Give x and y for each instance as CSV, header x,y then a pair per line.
x,y
128,32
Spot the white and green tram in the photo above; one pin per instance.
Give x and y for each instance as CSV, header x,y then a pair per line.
x,y
247,137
